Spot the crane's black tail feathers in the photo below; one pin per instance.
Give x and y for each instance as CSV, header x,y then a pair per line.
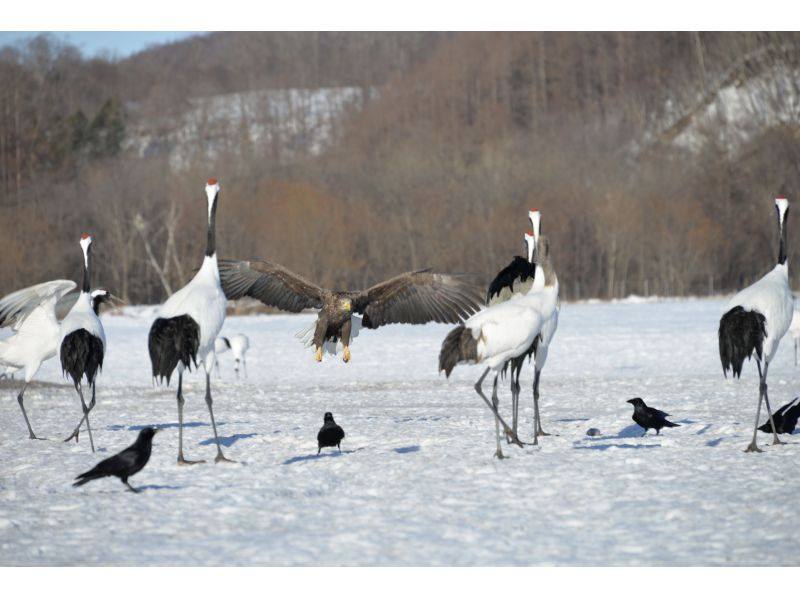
x,y
740,333
81,355
173,340
457,347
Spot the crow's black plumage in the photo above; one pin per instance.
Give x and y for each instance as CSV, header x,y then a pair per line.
x,y
785,418
125,463
330,434
648,417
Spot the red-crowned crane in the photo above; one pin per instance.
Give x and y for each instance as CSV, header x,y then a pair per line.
x,y
221,345
756,320
493,336
188,324
239,346
549,290
515,280
33,314
82,342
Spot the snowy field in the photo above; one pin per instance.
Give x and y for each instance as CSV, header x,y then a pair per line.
x,y
416,482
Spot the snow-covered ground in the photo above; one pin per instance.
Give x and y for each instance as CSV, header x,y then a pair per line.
x,y
416,482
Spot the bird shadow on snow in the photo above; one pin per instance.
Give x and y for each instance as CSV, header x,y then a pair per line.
x,y
406,449
137,427
605,447
315,457
227,441
158,487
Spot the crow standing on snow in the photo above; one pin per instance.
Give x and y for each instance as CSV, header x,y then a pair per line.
x,y
330,434
125,463
785,418
647,417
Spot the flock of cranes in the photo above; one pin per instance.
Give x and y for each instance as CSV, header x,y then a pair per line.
x,y
516,322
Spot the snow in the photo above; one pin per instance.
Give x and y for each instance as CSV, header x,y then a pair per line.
x,y
744,108
416,482
300,121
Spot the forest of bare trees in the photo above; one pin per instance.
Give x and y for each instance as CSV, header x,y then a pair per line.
x,y
348,157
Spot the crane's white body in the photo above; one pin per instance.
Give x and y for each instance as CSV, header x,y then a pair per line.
x,y
506,330
36,337
201,299
771,297
794,327
221,346
239,345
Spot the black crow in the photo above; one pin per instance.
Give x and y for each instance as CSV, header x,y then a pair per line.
x,y
125,463
647,417
785,418
330,434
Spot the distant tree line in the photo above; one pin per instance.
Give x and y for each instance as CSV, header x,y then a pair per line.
x,y
438,168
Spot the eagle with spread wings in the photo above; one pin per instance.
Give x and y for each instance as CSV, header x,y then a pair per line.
x,y
411,298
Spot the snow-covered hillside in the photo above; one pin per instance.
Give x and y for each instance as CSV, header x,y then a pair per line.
x,y
416,482
284,123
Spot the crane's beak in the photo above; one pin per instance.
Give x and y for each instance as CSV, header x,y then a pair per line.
x,y
115,301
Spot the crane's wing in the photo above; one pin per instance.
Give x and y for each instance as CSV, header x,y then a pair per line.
x,y
17,306
269,283
66,303
517,277
416,298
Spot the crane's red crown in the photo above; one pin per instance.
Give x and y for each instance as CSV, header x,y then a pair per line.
x,y
212,182
85,236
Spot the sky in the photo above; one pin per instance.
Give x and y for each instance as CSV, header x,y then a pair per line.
x,y
92,43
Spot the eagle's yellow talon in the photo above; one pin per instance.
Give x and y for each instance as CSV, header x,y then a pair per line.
x,y
318,354
346,354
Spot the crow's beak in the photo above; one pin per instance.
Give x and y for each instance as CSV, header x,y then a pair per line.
x,y
630,401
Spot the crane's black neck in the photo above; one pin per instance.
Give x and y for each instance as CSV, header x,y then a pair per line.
x,y
211,247
96,301
87,266
782,257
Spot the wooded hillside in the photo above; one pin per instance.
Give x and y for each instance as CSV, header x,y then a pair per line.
x,y
348,157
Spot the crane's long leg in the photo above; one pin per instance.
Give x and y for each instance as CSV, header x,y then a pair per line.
x,y
514,403
181,401
25,415
514,387
244,367
776,440
77,430
753,447
506,429
537,420
220,457
236,368
495,403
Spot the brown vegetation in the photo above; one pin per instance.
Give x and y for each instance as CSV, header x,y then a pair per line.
x,y
453,138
